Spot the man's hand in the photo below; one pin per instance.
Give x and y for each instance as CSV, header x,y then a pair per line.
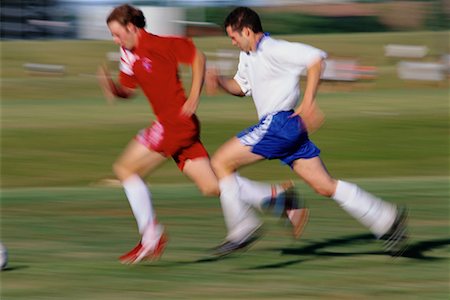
x,y
189,107
312,116
111,90
104,79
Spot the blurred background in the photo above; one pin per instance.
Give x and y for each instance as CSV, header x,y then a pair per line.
x,y
65,219
84,19
394,51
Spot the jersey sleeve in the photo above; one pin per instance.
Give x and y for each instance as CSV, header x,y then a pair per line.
x,y
298,55
126,75
127,80
241,76
183,49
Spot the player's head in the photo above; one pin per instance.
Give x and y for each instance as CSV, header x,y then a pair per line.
x,y
242,17
242,24
124,23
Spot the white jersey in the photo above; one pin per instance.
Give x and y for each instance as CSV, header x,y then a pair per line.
x,y
271,74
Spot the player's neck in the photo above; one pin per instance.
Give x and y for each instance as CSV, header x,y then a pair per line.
x,y
257,40
138,37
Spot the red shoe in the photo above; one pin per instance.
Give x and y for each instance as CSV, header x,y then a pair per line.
x,y
130,256
158,251
141,252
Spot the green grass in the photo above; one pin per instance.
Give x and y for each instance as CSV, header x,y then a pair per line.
x,y
64,230
64,243
58,131
367,134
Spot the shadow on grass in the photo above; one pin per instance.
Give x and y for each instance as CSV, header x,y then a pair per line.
x,y
14,268
208,259
417,250
318,250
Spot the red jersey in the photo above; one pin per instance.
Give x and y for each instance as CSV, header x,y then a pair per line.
x,y
153,65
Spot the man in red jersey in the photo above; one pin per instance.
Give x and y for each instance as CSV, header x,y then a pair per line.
x,y
151,62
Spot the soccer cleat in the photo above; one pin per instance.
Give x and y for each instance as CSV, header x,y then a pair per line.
x,y
141,252
229,247
296,212
149,253
396,239
278,203
129,256
298,218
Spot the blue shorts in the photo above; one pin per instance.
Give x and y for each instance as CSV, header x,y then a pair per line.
x,y
277,136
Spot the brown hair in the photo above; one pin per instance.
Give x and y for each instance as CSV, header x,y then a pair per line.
x,y
242,17
125,14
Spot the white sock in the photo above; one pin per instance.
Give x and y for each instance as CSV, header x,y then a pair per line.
x,y
140,200
372,212
239,217
152,234
256,193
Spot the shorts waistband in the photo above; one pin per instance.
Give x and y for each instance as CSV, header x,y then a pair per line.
x,y
290,112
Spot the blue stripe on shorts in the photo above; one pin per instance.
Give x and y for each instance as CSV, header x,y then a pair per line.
x,y
277,136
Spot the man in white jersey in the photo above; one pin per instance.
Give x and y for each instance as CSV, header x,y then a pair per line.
x,y
151,63
269,71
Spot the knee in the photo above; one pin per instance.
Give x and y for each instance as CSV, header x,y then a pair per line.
x,y
120,171
210,191
219,166
117,169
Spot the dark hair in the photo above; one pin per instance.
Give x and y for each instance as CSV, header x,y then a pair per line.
x,y
125,14
242,17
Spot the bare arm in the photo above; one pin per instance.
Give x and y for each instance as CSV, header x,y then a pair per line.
x,y
215,81
110,89
198,74
308,109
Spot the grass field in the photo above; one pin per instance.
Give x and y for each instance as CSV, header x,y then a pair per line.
x,y
64,243
65,229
